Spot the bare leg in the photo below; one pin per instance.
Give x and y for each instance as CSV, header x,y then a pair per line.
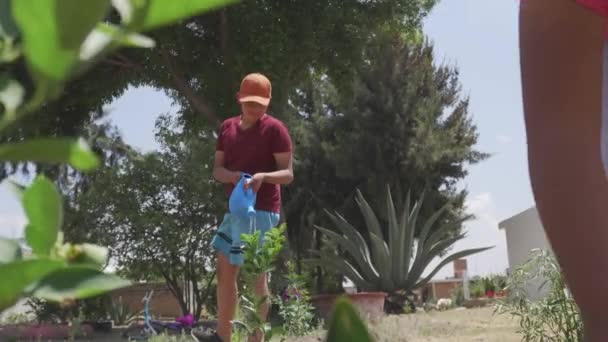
x,y
226,295
261,290
561,59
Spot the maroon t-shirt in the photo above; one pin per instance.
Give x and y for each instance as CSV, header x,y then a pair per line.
x,y
252,151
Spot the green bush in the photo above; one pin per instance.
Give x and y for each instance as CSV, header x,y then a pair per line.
x,y
458,296
555,317
295,308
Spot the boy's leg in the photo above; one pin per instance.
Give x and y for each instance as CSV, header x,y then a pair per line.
x,y
261,290
561,59
227,274
226,295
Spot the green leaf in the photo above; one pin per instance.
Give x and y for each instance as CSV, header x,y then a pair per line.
x,y
161,12
76,152
352,234
346,325
9,250
330,262
364,265
8,28
74,22
76,283
16,276
44,210
52,32
93,254
105,35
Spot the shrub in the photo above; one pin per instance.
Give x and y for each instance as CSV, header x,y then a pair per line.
x,y
295,308
555,317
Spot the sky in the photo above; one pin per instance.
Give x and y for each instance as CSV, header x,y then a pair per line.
x,y
479,37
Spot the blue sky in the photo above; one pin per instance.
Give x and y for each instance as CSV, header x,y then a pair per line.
x,y
477,36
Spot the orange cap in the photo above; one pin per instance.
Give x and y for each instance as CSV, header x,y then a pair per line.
x,y
255,88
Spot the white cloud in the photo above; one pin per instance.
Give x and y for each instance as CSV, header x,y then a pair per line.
x,y
504,139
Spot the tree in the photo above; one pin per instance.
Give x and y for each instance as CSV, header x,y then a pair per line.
x,y
157,212
406,124
200,62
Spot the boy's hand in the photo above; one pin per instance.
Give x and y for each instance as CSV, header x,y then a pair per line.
x,y
255,182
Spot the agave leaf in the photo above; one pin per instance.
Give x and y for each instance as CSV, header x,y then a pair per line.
x,y
379,249
399,254
371,220
421,263
440,233
341,266
448,260
409,227
385,264
394,244
368,270
429,223
353,234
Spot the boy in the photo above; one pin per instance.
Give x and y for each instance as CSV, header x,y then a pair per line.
x,y
258,144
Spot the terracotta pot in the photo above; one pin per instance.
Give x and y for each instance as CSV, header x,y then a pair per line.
x,y
369,304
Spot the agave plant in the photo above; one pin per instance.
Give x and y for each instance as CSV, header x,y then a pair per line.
x,y
396,262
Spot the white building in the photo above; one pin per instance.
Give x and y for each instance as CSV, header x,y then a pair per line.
x,y
524,232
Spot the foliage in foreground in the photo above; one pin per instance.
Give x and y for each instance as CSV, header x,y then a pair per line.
x,y
556,316
56,47
259,258
295,308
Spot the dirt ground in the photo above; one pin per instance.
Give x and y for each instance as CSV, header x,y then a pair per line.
x,y
459,325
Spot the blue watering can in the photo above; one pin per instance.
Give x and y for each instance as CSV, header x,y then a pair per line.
x,y
242,202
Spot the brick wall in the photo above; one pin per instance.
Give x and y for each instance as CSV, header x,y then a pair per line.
x,y
163,302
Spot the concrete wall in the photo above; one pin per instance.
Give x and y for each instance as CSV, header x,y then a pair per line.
x,y
524,233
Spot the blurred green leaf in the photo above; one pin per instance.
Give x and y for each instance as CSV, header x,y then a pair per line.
x,y
44,210
346,325
76,283
52,32
76,21
92,254
160,12
76,152
105,34
16,276
9,250
8,28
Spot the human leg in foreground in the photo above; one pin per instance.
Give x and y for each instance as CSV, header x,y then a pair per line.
x,y
561,61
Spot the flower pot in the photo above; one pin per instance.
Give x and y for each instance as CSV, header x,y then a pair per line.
x,y
369,304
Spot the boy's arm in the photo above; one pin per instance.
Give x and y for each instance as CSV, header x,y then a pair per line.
x,y
284,173
220,173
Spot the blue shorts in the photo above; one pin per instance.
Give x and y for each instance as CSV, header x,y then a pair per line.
x,y
227,239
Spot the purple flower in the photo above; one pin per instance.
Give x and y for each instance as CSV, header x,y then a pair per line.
x,y
290,293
